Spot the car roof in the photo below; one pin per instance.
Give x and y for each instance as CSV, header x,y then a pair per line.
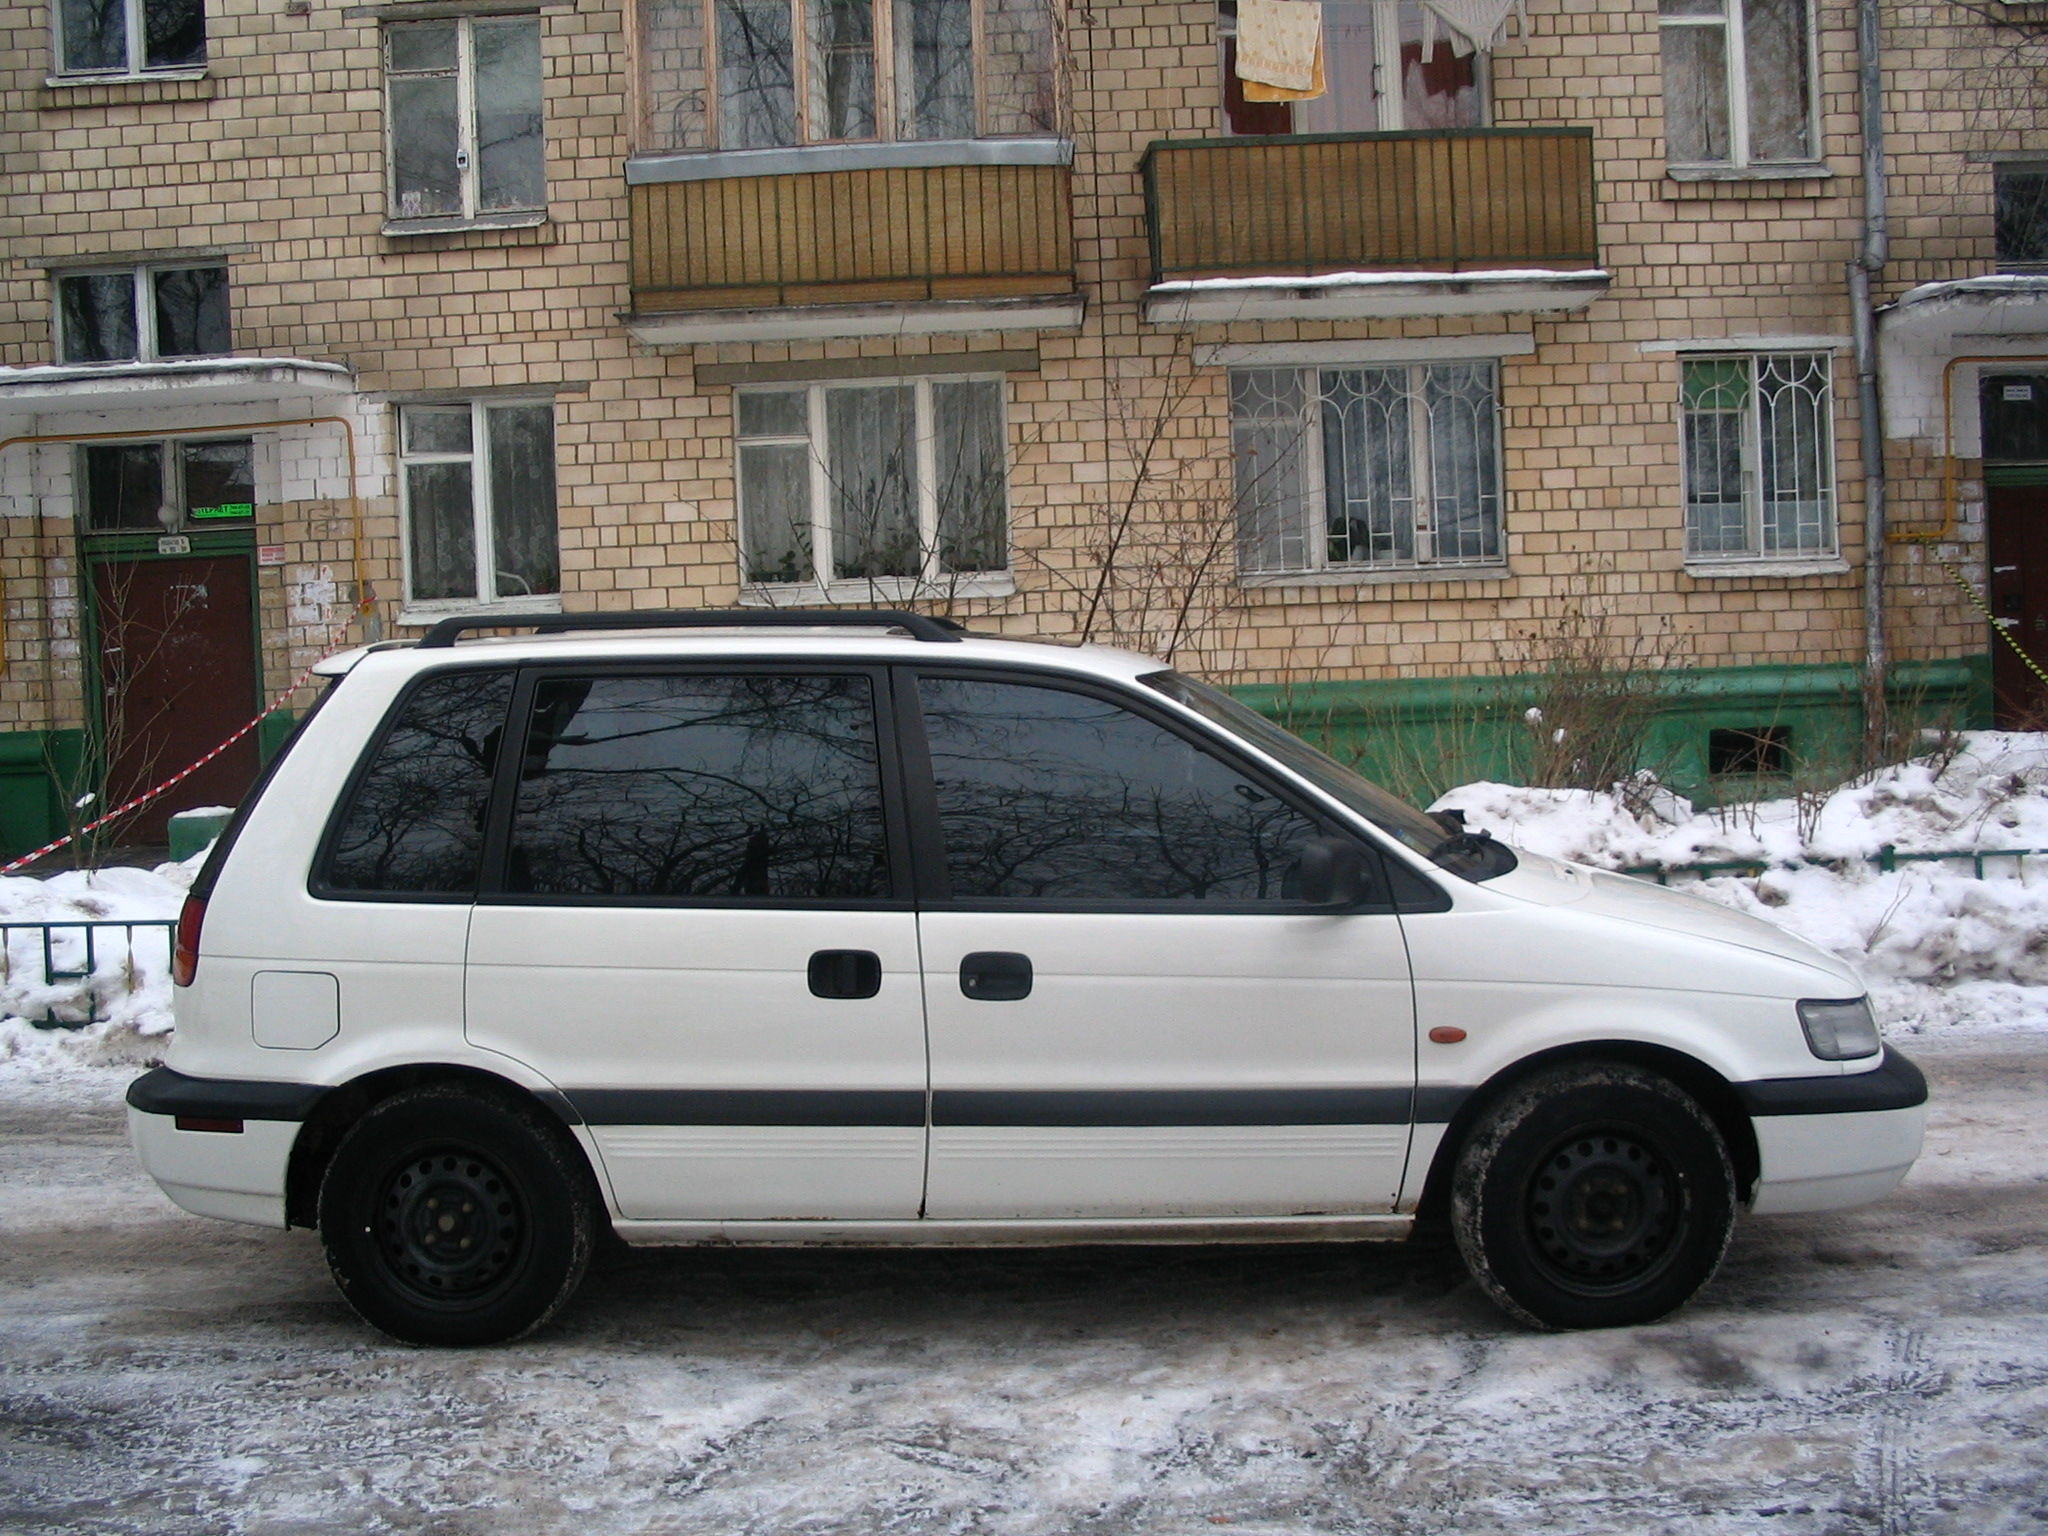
x,y
782,642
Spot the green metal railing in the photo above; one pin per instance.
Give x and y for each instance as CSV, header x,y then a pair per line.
x,y
42,960
1887,859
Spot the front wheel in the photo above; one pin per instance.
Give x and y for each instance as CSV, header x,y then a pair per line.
x,y
454,1218
1593,1196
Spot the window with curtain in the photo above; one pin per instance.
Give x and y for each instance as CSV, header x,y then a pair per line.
x,y
757,74
879,489
1759,457
479,499
1738,83
1367,468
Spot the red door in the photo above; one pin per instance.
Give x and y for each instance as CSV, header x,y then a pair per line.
x,y
177,674
2018,528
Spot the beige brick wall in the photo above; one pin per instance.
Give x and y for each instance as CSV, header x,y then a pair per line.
x,y
276,159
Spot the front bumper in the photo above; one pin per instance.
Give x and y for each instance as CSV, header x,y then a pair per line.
x,y
218,1148
1825,1143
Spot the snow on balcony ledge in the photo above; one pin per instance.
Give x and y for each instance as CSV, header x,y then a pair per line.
x,y
1372,295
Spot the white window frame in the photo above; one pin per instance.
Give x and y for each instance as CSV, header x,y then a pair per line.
x,y
1314,508
1736,51
1753,558
466,156
1389,101
935,580
142,298
137,67
487,600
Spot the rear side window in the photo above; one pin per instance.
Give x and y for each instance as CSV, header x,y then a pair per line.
x,y
755,785
414,822
1051,795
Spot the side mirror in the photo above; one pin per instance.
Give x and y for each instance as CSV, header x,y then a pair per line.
x,y
1335,872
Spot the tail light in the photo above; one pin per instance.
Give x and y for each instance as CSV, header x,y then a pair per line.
x,y
185,954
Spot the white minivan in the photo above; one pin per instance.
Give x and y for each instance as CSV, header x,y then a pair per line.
x,y
855,928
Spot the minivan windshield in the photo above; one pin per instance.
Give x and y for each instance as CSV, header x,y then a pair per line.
x,y
1474,856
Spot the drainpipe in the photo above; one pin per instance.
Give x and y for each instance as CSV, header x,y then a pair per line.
x,y
1868,264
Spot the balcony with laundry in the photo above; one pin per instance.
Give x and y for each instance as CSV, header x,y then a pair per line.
x,y
848,167
1359,177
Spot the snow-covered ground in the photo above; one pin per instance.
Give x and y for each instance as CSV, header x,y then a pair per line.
x,y
1882,1370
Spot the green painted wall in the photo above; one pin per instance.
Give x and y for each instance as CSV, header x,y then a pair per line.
x,y
1422,736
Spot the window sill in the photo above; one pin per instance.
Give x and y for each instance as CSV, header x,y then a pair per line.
x,y
1803,179
1406,575
399,229
1772,566
60,92
513,608
883,589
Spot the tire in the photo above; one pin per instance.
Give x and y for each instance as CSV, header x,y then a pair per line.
x,y
1593,1196
454,1218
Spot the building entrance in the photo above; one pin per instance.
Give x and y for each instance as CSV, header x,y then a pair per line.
x,y
2015,416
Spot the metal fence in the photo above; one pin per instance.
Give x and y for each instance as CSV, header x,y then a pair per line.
x,y
74,952
1887,859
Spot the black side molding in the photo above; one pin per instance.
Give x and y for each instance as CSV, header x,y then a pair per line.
x,y
1896,1084
164,1092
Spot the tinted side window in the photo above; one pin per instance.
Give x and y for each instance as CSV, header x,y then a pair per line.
x,y
1057,795
415,821
753,785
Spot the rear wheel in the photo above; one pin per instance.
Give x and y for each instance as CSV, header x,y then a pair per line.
x,y
1593,1196
454,1218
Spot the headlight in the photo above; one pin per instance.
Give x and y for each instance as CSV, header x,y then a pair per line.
x,y
1839,1031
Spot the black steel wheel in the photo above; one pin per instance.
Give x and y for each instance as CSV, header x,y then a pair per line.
x,y
1593,1196
450,1217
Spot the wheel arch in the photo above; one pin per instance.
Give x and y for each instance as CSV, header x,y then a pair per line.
x,y
339,1108
1708,1088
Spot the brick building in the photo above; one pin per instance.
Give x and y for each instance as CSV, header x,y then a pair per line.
x,y
320,321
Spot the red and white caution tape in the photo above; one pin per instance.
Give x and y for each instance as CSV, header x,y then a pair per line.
x,y
189,769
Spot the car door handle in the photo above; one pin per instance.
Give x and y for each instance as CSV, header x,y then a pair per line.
x,y
991,976
845,973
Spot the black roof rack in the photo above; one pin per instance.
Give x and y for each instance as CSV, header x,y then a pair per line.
x,y
919,626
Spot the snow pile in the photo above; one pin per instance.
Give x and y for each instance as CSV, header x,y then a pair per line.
x,y
1989,791
129,989
1940,947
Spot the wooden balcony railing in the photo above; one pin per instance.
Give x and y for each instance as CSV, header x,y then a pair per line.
x,y
1437,201
858,236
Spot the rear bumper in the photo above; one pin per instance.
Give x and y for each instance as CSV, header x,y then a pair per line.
x,y
1825,1143
229,1156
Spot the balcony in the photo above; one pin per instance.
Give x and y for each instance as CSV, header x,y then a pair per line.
x,y
1372,225
741,247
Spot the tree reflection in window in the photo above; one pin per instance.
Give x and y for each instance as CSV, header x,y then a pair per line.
x,y
700,786
1055,795
415,821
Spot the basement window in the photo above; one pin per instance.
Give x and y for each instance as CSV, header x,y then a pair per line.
x,y
1750,751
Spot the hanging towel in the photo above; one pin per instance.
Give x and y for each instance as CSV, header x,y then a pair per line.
x,y
1280,46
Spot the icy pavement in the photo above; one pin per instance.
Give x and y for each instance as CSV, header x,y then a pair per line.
x,y
1882,1370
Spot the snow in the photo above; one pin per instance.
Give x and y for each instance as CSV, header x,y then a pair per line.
x,y
1941,949
130,987
1379,279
